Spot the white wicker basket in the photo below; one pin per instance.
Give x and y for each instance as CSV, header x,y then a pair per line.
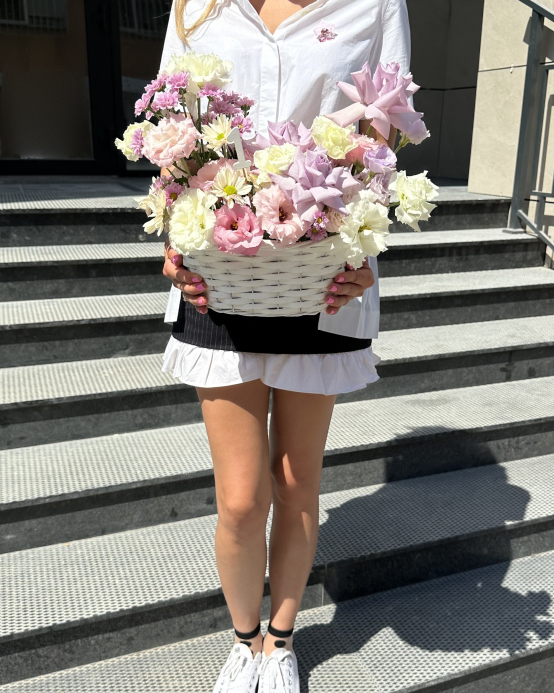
x,y
278,281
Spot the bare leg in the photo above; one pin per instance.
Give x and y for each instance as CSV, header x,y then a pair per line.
x,y
236,422
299,426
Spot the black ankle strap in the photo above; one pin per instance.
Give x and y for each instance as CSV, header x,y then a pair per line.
x,y
248,636
279,633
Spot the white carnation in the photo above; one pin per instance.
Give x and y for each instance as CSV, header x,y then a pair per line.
x,y
414,194
203,68
192,221
365,228
154,204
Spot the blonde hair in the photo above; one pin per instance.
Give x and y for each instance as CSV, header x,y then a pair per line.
x,y
185,32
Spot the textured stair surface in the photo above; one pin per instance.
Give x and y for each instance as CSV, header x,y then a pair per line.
x,y
454,630
64,470
72,254
84,581
87,309
78,379
465,282
410,239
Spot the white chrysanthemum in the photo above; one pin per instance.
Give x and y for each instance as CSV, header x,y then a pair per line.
x,y
124,145
154,204
332,137
414,194
217,132
275,159
231,186
365,228
192,221
203,68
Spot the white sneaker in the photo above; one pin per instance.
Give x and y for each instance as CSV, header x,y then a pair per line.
x,y
279,672
240,673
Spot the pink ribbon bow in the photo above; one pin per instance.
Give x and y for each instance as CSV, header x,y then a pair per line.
x,y
383,99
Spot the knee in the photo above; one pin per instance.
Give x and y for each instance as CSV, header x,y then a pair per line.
x,y
243,516
299,492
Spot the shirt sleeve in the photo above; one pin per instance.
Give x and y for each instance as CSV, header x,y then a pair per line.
x,y
396,35
172,44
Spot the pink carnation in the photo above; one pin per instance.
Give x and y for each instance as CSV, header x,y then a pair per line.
x,y
205,177
278,216
237,230
165,100
173,139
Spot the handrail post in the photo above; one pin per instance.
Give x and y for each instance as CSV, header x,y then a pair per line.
x,y
527,151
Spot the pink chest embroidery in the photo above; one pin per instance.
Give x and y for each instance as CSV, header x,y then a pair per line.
x,y
325,32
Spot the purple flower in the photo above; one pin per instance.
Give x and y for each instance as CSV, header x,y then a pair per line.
x,y
243,123
180,80
314,235
317,231
142,104
160,182
165,100
137,142
210,91
380,159
156,85
325,32
172,192
379,184
312,183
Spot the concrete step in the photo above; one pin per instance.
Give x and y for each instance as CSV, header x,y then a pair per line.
x,y
131,393
80,270
66,604
461,297
65,491
459,251
71,329
488,629
105,268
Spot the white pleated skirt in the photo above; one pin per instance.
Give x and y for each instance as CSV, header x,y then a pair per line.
x,y
322,374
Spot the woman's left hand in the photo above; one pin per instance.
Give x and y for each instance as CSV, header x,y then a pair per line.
x,y
348,285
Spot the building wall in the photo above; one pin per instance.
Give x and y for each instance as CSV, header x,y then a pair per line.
x,y
446,39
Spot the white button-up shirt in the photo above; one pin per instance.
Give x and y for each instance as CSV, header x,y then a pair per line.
x,y
292,75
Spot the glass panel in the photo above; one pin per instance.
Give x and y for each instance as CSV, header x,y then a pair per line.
x,y
143,24
44,91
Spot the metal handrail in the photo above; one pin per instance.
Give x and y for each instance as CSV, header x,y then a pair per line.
x,y
531,131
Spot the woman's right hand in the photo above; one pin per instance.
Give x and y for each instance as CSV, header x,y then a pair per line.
x,y
191,285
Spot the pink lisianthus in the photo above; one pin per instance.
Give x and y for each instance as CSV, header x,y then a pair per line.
x,y
205,177
363,144
174,138
380,159
237,230
278,216
379,184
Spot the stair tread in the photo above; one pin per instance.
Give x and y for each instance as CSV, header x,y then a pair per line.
x,y
61,254
407,239
74,379
84,309
404,639
464,282
93,579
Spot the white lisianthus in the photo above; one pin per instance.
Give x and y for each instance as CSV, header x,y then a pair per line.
x,y
125,145
192,221
414,194
365,228
332,137
154,204
203,68
217,132
276,159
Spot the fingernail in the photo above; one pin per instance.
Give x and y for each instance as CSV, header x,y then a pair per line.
x,y
201,301
340,279
175,259
199,287
195,280
329,299
333,288
332,312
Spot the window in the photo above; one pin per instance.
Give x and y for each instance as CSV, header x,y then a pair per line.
x,y
144,17
37,14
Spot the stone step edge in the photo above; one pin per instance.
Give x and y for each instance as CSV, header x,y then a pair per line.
x,y
202,598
